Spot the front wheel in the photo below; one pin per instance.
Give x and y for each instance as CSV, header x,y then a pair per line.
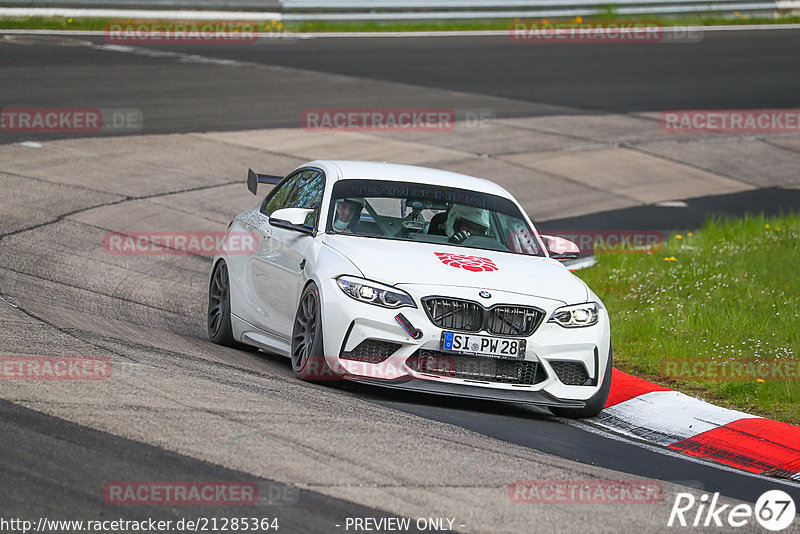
x,y
596,403
308,359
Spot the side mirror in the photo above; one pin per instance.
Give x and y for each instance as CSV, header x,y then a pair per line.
x,y
560,248
292,219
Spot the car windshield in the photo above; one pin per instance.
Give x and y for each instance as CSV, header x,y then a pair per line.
x,y
406,211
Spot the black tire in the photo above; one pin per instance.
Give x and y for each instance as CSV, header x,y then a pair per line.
x,y
219,310
308,360
596,403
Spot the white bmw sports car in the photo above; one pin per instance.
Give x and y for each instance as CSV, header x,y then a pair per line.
x,y
411,278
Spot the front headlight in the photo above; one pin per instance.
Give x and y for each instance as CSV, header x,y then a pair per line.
x,y
576,316
374,293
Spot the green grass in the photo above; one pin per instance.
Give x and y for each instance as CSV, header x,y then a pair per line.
x,y
731,293
44,23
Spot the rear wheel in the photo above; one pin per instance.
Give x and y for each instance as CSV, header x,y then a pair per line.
x,y
308,359
219,309
596,403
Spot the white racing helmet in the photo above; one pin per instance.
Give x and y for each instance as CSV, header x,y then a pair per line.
x,y
474,215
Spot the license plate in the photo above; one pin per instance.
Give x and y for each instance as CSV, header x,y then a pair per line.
x,y
494,347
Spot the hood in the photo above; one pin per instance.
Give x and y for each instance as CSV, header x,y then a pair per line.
x,y
401,262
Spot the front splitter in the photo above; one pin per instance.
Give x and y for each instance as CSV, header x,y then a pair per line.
x,y
538,398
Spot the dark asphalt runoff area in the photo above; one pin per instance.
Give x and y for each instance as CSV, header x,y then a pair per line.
x,y
193,88
769,201
184,88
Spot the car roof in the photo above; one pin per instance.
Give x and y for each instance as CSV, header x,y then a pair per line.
x,y
373,170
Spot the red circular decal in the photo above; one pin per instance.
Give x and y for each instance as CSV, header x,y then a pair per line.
x,y
470,263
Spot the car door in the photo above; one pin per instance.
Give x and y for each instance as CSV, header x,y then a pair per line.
x,y
275,271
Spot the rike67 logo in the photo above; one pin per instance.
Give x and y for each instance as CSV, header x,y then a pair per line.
x,y
470,263
774,510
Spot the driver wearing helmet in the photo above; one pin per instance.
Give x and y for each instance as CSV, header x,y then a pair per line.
x,y
466,221
348,213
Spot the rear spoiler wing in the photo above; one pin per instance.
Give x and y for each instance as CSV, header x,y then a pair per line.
x,y
253,179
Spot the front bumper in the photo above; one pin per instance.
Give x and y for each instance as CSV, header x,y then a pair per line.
x,y
347,323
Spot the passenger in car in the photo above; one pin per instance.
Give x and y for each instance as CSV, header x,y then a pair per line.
x,y
438,225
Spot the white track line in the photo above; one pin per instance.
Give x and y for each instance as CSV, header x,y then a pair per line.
x,y
490,33
152,14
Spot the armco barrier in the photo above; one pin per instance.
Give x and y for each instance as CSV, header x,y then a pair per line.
x,y
260,5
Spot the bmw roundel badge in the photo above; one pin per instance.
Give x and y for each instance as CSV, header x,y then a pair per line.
x,y
485,294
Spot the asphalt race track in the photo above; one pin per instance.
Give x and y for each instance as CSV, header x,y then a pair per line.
x,y
179,408
272,83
